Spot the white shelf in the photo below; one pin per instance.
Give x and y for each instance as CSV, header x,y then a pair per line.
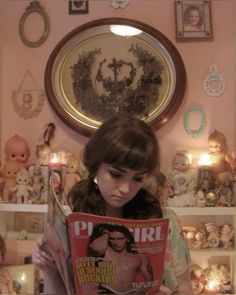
x,y
24,208
181,211
212,252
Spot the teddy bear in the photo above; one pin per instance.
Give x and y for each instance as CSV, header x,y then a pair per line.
x,y
22,188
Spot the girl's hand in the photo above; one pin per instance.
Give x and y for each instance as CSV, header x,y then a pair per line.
x,y
41,257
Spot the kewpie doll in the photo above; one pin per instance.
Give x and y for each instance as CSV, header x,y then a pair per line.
x,y
23,189
5,278
17,149
71,176
222,161
9,171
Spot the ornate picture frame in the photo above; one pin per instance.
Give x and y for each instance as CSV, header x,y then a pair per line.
x,y
193,20
93,73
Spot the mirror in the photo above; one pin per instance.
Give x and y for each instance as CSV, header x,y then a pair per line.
x,y
34,7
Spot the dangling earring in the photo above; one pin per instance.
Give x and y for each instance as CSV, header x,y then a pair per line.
x,y
95,181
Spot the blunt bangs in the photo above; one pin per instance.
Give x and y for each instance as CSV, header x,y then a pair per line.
x,y
132,151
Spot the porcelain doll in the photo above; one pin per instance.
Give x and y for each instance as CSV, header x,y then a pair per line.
x,y
17,149
183,180
71,176
5,278
23,188
226,236
8,179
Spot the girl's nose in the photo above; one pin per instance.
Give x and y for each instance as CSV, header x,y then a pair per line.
x,y
124,187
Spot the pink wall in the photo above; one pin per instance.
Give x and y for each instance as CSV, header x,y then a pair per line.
x,y
16,59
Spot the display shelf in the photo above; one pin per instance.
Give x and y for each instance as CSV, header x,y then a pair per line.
x,y
24,208
193,216
180,211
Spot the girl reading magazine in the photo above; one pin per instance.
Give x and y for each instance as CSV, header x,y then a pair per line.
x,y
121,154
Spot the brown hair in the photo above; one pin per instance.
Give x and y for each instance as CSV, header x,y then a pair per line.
x,y
2,247
121,141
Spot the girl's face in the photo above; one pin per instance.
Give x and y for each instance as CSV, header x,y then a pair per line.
x,y
118,186
194,18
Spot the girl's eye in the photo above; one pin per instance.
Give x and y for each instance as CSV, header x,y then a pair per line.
x,y
138,179
115,174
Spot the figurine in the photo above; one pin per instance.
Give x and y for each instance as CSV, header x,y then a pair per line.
x,y
71,176
22,235
22,188
212,235
222,161
198,278
17,149
5,278
200,199
9,171
37,181
43,152
183,181
226,236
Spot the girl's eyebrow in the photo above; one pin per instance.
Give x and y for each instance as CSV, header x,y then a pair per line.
x,y
124,171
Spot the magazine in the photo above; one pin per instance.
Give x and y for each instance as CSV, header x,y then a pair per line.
x,y
105,255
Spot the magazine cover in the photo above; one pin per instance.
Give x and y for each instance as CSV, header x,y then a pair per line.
x,y
117,256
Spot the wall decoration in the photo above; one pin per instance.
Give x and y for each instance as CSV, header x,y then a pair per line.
x,y
33,8
93,73
28,102
214,83
30,222
119,3
78,7
193,20
188,121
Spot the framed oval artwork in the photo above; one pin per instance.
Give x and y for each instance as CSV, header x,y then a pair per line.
x,y
96,71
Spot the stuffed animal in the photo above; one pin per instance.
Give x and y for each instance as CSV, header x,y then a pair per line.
x,y
8,179
17,149
71,176
22,188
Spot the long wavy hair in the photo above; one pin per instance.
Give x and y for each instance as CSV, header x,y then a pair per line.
x,y
121,141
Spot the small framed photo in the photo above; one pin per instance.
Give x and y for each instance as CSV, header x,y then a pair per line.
x,y
31,222
193,20
78,7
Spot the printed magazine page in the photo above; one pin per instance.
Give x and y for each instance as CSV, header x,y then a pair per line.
x,y
56,239
117,256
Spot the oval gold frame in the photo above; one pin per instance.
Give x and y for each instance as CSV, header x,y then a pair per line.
x,y
34,7
59,82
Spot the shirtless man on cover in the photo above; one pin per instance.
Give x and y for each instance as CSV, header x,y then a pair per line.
x,y
115,245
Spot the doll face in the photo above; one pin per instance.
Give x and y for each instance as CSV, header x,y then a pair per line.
x,y
17,153
214,146
181,163
22,177
72,166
